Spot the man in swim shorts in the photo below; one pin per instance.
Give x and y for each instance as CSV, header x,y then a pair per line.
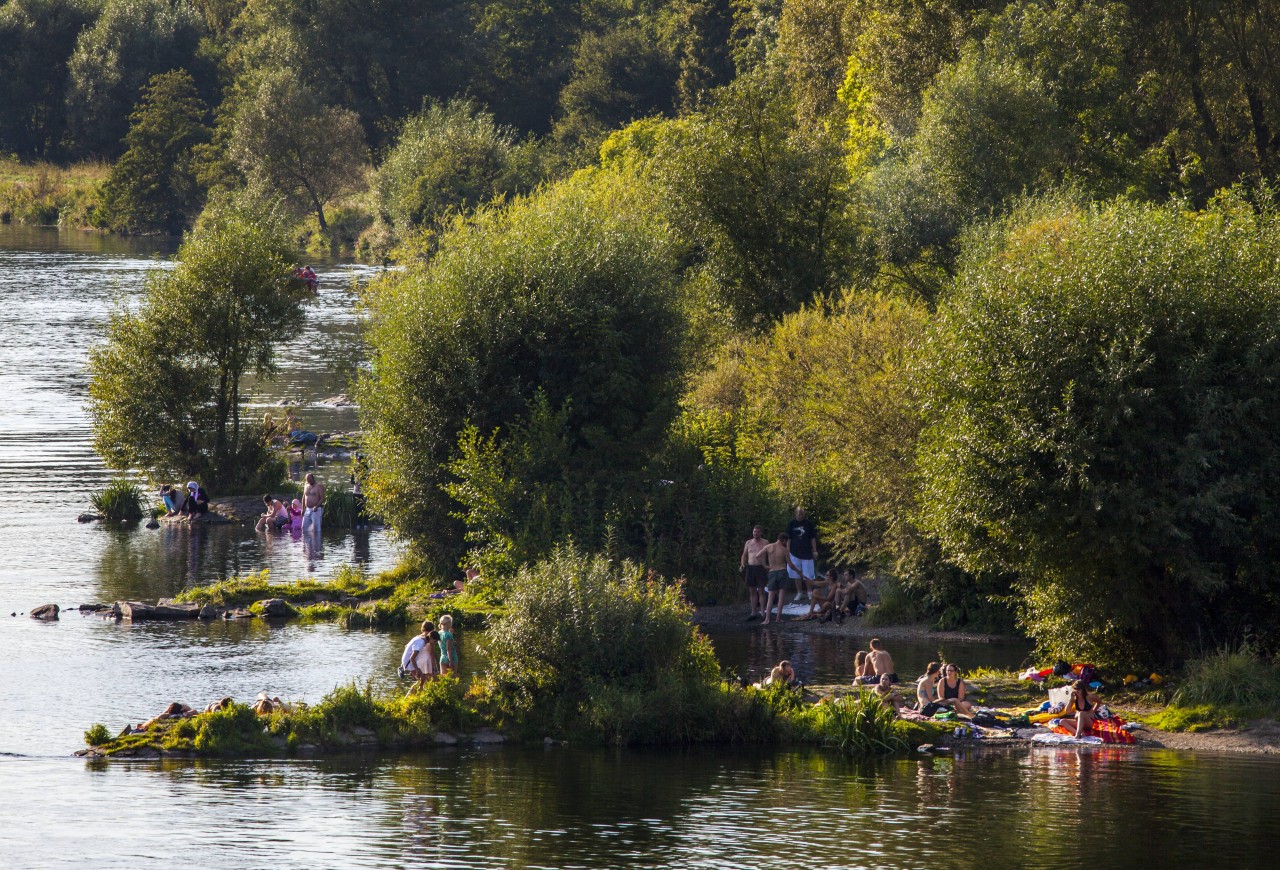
x,y
754,571
776,558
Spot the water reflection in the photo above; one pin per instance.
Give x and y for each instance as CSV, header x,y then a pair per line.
x,y
709,808
139,563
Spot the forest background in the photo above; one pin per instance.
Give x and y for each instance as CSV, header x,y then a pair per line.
x,y
989,287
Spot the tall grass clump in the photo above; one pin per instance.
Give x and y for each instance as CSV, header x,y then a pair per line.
x,y
856,725
597,650
1229,678
121,500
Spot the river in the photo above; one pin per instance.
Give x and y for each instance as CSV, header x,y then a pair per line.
x,y
554,807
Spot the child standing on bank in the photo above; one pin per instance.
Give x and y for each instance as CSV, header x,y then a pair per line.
x,y
448,646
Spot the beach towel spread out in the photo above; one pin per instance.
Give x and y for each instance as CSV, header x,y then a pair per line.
x,y
1053,739
1108,730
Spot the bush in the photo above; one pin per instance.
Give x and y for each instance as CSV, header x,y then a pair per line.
x,y
591,648
451,158
569,294
97,735
1229,678
1099,389
121,500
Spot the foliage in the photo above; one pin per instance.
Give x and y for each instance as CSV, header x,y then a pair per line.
x,y
768,204
42,193
988,130
450,158
97,734
858,724
121,500
128,43
165,389
1229,678
626,72
153,185
583,637
1098,391
290,144
568,292
36,37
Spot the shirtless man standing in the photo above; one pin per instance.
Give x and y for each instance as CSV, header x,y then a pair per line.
x,y
754,571
312,505
776,558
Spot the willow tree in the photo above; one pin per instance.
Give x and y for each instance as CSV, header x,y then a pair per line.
x,y
166,384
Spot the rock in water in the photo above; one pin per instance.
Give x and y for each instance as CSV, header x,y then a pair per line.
x,y
47,612
209,612
273,607
153,524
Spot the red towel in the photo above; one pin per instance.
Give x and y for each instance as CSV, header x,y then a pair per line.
x,y
1108,729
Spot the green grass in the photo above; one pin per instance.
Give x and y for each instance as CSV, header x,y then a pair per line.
x,y
347,716
1229,678
1200,718
121,500
392,600
44,193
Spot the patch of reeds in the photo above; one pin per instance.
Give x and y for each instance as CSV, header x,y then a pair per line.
x,y
857,725
1229,678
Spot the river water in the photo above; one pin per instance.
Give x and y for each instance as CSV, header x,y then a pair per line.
x,y
556,807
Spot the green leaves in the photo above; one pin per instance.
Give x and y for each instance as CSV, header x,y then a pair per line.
x,y
1100,388
165,385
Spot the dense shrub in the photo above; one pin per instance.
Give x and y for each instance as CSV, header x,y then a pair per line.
x,y
450,158
1101,390
597,649
568,294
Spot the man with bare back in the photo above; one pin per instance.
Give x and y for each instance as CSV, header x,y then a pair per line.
x,y
312,505
754,571
881,662
776,558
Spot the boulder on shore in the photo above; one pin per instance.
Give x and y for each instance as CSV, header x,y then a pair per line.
x,y
275,608
47,612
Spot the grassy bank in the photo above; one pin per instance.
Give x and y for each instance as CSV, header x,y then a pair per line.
x,y
354,718
354,599
46,194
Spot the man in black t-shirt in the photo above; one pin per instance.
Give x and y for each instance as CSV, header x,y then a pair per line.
x,y
802,541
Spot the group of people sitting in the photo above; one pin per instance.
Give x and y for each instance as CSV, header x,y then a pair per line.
x,y
307,276
279,515
191,503
837,595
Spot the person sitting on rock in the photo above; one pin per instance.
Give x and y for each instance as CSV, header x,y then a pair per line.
x,y
783,673
197,504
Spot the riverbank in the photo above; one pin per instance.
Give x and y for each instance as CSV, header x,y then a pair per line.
x,y
731,617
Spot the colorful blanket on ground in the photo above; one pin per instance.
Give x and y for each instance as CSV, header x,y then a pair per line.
x,y
1109,730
